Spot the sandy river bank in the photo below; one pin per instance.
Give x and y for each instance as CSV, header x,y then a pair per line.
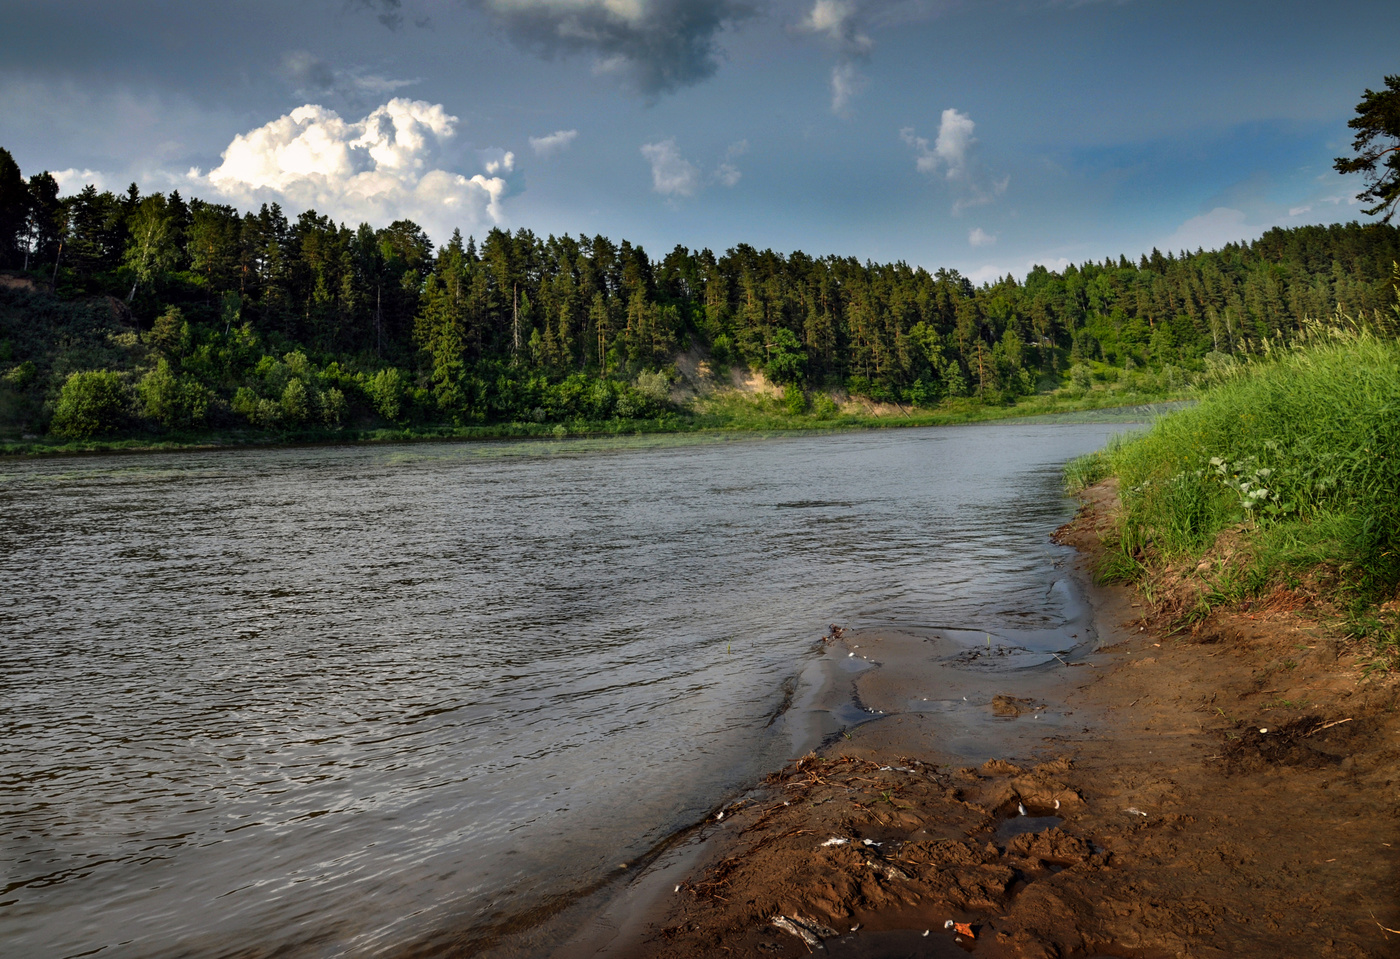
x,y
1234,791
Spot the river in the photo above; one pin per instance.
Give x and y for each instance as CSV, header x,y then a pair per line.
x,y
319,701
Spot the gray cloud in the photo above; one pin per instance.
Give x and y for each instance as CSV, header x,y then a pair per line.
x,y
312,77
656,46
842,25
836,23
671,173
386,12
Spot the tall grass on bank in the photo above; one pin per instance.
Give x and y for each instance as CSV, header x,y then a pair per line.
x,y
1301,451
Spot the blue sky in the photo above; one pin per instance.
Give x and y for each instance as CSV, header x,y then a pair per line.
x,y
984,136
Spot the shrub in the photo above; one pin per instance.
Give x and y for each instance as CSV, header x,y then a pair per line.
x,y
296,402
386,392
631,404
333,406
654,385
171,333
794,400
722,350
173,401
786,361
260,412
21,376
90,403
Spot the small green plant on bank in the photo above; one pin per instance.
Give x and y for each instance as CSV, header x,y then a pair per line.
x,y
1086,470
1247,481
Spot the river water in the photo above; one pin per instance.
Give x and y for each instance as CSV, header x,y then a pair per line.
x,y
311,702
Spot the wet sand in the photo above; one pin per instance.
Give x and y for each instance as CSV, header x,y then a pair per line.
x,y
1228,791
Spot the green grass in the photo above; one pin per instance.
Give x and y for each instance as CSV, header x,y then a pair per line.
x,y
1300,453
1087,470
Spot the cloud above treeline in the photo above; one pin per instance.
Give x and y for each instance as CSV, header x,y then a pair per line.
x,y
672,175
952,155
655,46
380,168
950,150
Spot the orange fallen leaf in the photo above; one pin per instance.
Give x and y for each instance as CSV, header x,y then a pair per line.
x,y
964,929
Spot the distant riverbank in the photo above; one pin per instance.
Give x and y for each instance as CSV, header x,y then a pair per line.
x,y
731,412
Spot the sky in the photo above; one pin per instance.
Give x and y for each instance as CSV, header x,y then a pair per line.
x,y
981,135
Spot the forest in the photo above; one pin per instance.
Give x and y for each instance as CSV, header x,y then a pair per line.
x,y
150,315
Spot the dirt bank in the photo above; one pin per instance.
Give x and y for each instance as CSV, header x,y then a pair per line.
x,y
1228,791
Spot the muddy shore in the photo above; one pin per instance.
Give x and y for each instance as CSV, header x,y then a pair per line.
x,y
1233,790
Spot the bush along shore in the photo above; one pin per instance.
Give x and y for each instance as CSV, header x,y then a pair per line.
x,y
1279,489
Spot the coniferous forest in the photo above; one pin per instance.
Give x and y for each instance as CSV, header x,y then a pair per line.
x,y
156,315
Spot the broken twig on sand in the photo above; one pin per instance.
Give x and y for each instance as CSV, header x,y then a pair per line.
x,y
1336,722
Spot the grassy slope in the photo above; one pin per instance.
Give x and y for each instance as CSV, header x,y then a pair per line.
x,y
1285,476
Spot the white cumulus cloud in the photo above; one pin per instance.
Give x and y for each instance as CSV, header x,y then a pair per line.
x,y
828,16
380,168
555,142
496,161
954,141
980,237
987,273
727,174
72,180
952,153
950,149
996,272
671,173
